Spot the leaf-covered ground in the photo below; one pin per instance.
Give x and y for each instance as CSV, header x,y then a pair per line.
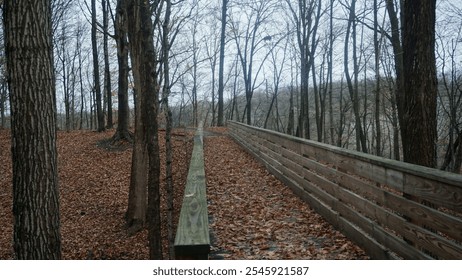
x,y
93,188
255,216
252,214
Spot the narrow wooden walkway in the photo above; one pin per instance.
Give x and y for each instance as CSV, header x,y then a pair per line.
x,y
254,216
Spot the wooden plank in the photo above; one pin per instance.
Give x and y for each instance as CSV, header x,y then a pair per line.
x,y
437,244
308,185
247,145
379,234
290,163
427,240
372,212
373,248
448,225
314,202
377,216
442,222
192,240
435,192
321,203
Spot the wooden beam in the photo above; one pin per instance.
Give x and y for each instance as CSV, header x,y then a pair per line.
x,y
192,239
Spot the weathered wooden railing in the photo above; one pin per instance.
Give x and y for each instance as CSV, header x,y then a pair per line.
x,y
192,240
363,195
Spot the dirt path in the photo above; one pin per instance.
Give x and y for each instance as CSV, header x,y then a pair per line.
x,y
254,216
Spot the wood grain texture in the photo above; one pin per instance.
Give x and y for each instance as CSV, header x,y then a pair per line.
x,y
192,239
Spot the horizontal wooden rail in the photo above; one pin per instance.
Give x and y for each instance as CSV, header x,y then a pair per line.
x,y
365,196
192,240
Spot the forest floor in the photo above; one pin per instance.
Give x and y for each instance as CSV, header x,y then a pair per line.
x,y
252,214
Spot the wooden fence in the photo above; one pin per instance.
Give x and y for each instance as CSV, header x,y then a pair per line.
x,y
367,197
192,240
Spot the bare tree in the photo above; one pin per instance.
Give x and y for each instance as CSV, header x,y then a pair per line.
x,y
63,57
353,85
395,39
120,33
143,57
96,75
249,41
306,16
137,196
166,26
330,70
213,48
107,73
224,9
450,96
79,31
378,127
196,49
291,120
277,70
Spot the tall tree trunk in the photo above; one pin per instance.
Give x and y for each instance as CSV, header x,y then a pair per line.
x,y
2,103
31,80
453,155
330,58
137,196
107,72
396,132
143,56
82,98
353,87
306,27
194,82
378,128
213,63
317,105
96,77
290,123
65,78
168,128
418,115
399,90
224,8
342,117
123,116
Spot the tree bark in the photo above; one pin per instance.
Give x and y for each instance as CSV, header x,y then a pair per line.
x,y
143,56
137,196
378,137
96,76
224,8
398,58
3,99
306,17
168,128
353,87
107,72
31,81
418,114
120,30
330,70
